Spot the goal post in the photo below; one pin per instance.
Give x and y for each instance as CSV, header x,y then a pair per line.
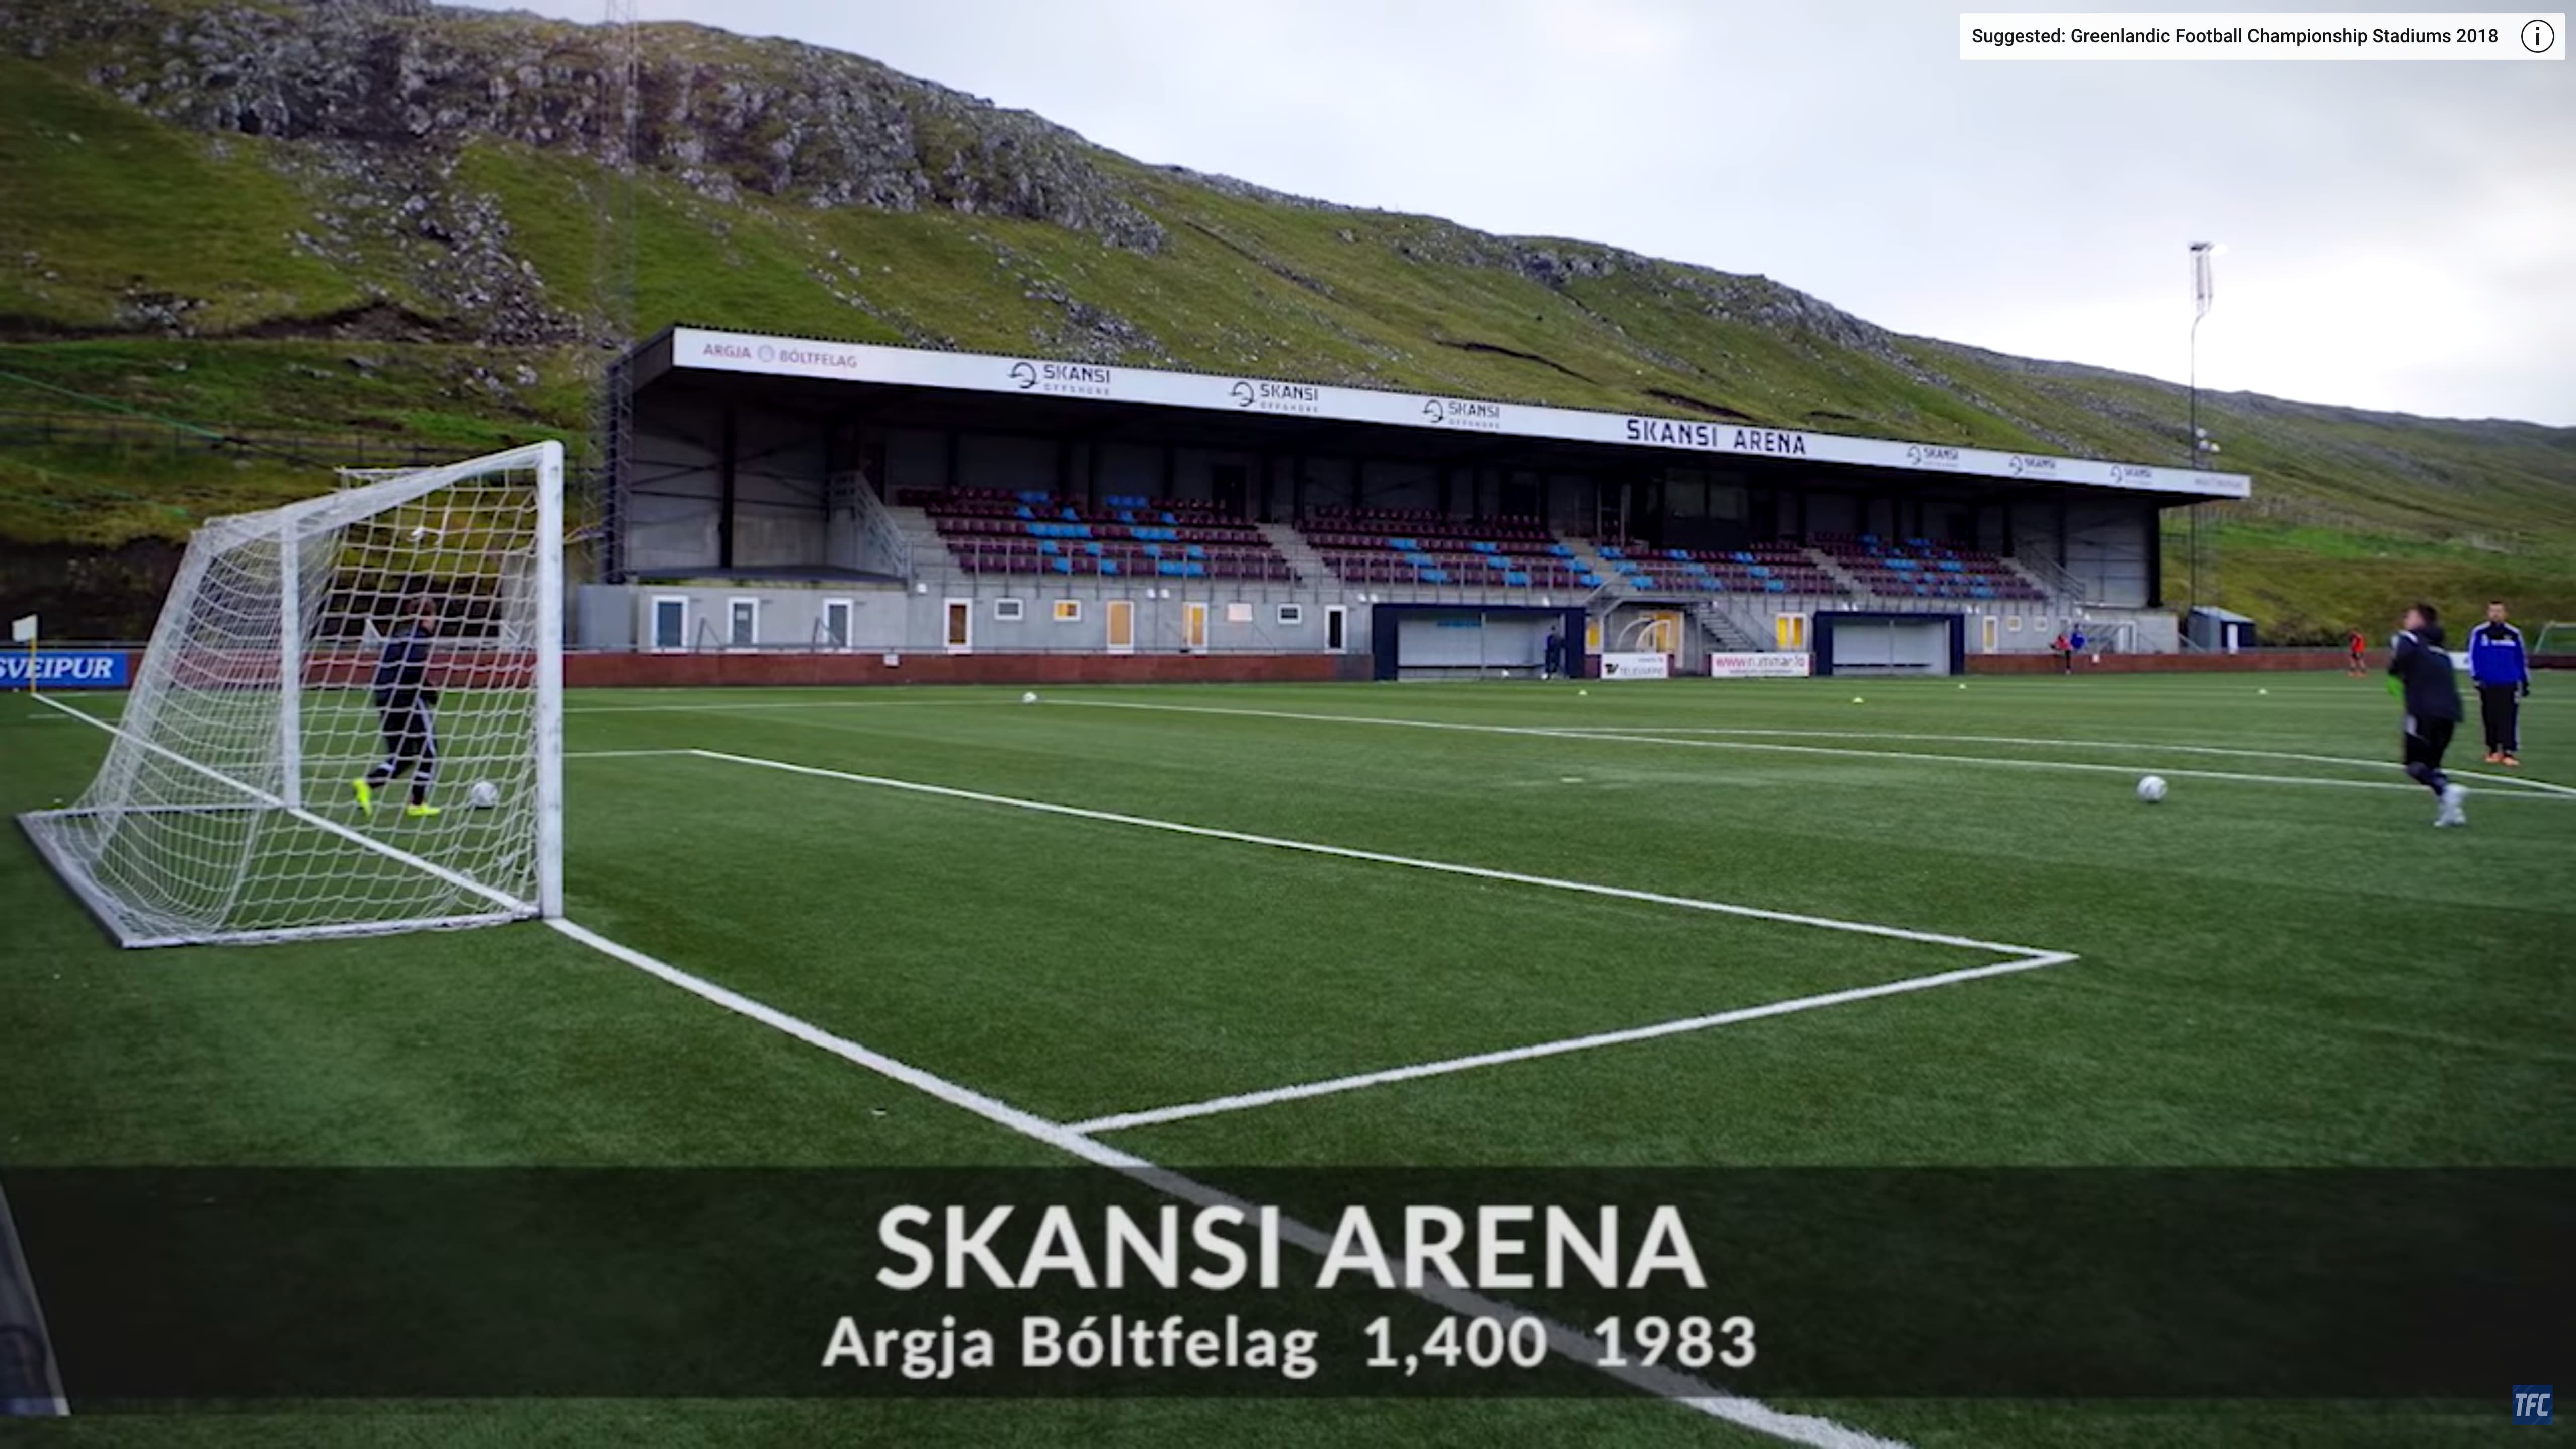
x,y
406,632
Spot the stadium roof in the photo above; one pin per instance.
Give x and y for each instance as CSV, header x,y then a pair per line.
x,y
707,351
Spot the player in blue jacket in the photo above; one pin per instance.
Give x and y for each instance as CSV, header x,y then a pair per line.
x,y
2503,675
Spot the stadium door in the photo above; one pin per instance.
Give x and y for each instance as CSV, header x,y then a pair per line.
x,y
961,625
1194,626
1122,626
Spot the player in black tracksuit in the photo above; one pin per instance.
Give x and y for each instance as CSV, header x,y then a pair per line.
x,y
405,710
2424,672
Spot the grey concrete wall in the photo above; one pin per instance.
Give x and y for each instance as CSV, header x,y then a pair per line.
x,y
1000,620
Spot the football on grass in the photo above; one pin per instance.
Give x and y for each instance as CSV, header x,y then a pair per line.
x,y
2152,789
484,795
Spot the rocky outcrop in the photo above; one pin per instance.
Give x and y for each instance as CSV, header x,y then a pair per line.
x,y
722,114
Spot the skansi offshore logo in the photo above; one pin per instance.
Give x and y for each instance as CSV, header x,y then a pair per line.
x,y
2531,1403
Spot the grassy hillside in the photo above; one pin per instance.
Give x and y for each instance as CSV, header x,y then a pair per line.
x,y
442,286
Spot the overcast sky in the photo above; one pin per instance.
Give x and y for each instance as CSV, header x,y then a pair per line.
x,y
2400,235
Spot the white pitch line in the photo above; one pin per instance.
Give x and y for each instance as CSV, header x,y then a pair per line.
x,y
1581,733
1692,1393
1244,1101
2066,744
623,754
1344,852
739,708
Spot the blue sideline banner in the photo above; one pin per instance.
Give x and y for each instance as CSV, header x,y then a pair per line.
x,y
65,669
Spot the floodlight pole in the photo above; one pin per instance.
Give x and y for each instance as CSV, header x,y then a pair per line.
x,y
2202,294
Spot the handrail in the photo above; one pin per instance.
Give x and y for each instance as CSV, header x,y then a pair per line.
x,y
879,536
2054,578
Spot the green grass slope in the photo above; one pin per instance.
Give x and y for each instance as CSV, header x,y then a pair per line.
x,y
447,291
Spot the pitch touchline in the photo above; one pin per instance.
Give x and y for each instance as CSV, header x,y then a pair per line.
x,y
1579,733
1345,852
1242,1101
1693,1393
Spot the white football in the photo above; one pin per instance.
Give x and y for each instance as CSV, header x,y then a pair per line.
x,y
484,795
1029,698
2152,789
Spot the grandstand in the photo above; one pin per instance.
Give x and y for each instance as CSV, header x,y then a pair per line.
x,y
1423,547
789,494
1033,532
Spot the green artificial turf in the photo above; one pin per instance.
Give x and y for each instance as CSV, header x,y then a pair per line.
x,y
2284,964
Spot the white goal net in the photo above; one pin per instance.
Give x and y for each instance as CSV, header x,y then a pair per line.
x,y
348,721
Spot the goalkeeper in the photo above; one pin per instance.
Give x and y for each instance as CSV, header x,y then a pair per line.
x,y
406,710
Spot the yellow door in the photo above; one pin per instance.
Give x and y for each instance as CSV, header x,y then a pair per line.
x,y
1665,637
1992,632
1194,626
961,625
1790,631
1122,626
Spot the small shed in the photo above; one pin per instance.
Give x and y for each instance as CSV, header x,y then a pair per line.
x,y
2222,631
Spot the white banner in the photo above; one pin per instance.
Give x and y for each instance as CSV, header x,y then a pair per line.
x,y
2264,35
695,347
23,630
1636,666
1757,666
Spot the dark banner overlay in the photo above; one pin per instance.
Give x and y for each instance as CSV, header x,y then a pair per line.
x,y
300,1284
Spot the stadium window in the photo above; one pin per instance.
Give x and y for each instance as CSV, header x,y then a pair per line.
x,y
1292,614
671,622
742,623
1238,613
2012,624
1009,611
836,623
1068,611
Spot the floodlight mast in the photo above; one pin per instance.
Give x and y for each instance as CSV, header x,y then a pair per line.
x,y
2203,294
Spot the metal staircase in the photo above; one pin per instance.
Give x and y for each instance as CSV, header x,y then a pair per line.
x,y
1727,633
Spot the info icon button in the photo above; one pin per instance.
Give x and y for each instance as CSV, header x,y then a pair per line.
x,y
2538,35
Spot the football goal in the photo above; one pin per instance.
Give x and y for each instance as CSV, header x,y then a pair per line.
x,y
404,632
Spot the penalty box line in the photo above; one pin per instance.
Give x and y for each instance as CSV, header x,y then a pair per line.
x,y
1691,1392
2020,958
1245,1101
1379,857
